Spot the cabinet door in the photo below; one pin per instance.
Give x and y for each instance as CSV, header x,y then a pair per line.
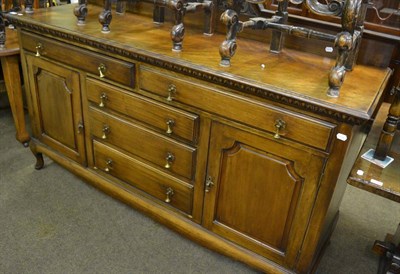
x,y
56,103
262,192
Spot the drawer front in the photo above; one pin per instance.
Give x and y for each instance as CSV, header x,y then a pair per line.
x,y
297,127
112,69
162,151
172,121
158,184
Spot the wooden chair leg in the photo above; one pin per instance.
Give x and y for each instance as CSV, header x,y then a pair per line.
x,y
389,251
389,128
10,66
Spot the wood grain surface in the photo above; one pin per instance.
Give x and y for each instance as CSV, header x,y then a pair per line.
x,y
299,76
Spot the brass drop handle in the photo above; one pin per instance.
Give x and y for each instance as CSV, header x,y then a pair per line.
x,y
106,130
80,127
209,184
170,123
109,164
170,158
39,48
169,193
279,125
171,92
103,99
102,70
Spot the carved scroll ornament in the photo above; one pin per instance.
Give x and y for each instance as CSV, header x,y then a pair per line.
x,y
347,41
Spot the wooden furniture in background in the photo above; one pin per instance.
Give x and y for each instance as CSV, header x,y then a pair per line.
x,y
11,70
250,161
384,182
389,250
373,22
389,176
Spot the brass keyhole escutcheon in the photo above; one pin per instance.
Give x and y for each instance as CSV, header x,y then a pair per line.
x,y
170,123
39,48
171,92
209,184
80,127
102,70
106,130
169,193
170,158
279,125
109,164
103,99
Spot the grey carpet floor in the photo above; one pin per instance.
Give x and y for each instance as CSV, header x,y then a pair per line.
x,y
53,222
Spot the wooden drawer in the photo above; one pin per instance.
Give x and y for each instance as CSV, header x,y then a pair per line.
x,y
300,128
115,70
144,143
144,177
180,123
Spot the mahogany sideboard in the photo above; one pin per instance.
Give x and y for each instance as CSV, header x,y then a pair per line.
x,y
250,160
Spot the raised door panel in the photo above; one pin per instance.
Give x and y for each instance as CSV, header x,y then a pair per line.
x,y
262,194
248,174
57,105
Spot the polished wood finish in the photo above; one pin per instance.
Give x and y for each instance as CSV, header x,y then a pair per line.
x,y
260,170
306,88
371,20
144,177
347,40
142,142
56,105
190,93
9,55
184,125
381,38
98,65
163,215
271,220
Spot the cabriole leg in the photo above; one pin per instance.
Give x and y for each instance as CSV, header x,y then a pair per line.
x,y
39,156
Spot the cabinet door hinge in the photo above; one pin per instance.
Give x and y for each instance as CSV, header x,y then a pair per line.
x,y
321,177
298,256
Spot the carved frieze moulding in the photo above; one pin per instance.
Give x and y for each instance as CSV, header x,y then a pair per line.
x,y
271,93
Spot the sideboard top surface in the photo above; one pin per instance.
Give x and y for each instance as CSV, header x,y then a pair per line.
x,y
291,77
